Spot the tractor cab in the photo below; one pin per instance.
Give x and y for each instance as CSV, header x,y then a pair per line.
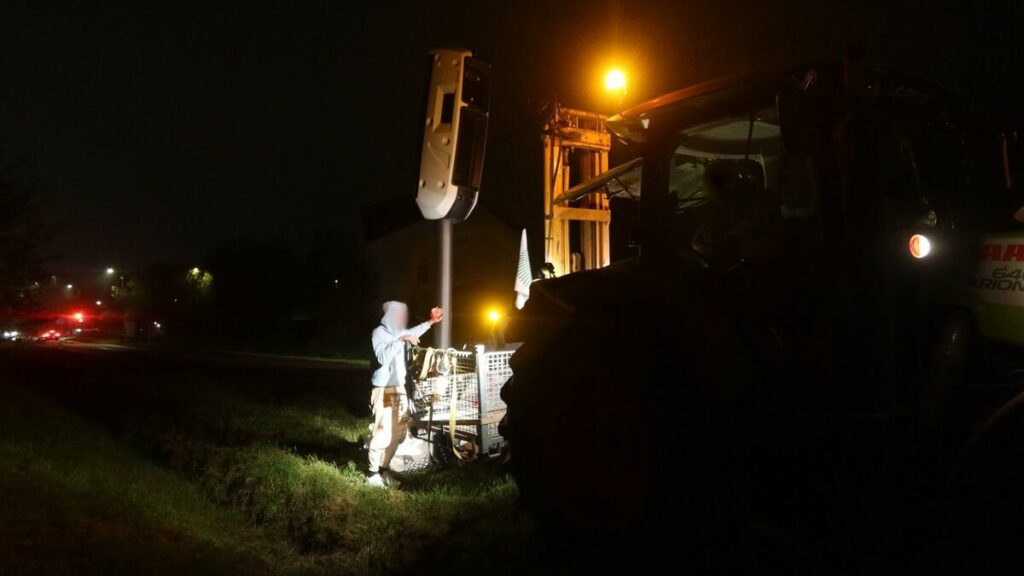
x,y
812,201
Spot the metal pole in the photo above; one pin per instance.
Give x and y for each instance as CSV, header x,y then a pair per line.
x,y
549,218
443,337
484,407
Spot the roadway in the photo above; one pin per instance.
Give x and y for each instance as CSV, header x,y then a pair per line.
x,y
53,365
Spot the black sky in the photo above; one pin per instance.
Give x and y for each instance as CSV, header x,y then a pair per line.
x,y
161,129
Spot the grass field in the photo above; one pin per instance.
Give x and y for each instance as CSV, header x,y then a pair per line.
x,y
193,476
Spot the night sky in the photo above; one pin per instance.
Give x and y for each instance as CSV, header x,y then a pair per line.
x,y
160,130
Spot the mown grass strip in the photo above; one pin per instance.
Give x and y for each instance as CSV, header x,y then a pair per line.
x,y
72,499
286,475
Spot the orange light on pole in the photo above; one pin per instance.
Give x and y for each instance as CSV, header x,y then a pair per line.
x,y
493,315
615,82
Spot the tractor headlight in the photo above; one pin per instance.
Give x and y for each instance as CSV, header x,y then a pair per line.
x,y
920,246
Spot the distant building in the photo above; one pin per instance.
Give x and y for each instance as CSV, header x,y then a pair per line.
x,y
485,254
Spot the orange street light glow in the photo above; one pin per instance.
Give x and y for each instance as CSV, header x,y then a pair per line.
x,y
615,81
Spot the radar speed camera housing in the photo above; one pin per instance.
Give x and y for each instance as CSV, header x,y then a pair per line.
x,y
454,135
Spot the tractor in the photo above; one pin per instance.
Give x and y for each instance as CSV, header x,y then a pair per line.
x,y
781,380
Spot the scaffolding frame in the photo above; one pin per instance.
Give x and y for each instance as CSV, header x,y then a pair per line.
x,y
567,132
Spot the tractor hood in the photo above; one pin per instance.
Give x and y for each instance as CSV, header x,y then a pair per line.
x,y
554,301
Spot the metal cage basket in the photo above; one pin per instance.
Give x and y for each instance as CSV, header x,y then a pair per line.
x,y
458,393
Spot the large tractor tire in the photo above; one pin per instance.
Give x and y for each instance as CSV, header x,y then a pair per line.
x,y
624,437
985,520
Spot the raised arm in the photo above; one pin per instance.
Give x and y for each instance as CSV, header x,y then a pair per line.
x,y
436,315
417,330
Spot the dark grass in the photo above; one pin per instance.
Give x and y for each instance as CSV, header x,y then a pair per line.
x,y
73,500
229,473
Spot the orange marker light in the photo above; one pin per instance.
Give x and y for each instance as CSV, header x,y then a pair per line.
x,y
919,246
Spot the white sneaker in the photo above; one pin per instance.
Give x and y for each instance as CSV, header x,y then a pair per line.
x,y
376,481
389,480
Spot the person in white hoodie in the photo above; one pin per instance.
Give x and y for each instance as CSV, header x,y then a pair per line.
x,y
388,398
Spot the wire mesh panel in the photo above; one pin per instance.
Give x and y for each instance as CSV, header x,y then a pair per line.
x,y
463,388
438,391
495,374
498,372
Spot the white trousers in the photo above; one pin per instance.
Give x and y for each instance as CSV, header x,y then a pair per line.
x,y
390,422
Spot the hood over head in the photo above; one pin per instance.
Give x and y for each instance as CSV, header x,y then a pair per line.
x,y
396,315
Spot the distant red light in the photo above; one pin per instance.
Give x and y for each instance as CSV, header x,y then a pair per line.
x,y
79,316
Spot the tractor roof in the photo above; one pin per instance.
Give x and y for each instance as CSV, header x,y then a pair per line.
x,y
738,92
737,95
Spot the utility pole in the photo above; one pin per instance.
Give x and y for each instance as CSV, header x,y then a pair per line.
x,y
443,337
452,160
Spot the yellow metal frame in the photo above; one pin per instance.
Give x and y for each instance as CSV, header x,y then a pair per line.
x,y
567,131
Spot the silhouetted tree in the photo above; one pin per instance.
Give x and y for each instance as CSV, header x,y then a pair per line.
x,y
338,291
23,236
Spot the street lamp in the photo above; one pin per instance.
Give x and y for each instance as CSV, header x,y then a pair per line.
x,y
70,286
110,271
615,82
493,315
